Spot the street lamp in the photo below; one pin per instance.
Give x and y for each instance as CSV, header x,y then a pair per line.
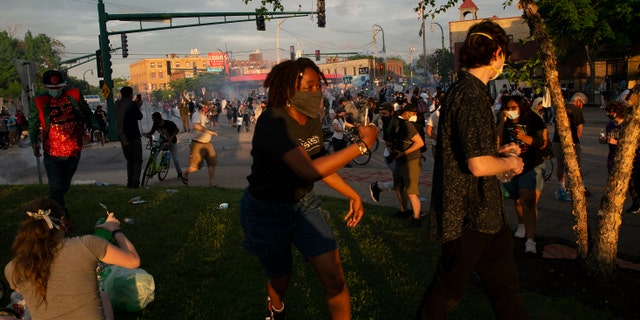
x,y
84,73
442,37
384,50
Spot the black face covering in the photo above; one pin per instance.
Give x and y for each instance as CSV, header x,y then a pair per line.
x,y
385,121
308,103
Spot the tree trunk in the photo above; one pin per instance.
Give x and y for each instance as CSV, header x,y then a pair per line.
x,y
579,204
601,262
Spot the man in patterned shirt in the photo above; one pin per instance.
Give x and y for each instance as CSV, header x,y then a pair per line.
x,y
467,214
61,113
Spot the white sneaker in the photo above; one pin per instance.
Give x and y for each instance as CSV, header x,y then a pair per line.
x,y
530,246
520,231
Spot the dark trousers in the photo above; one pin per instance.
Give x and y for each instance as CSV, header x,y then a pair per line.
x,y
634,181
491,256
60,171
133,153
338,144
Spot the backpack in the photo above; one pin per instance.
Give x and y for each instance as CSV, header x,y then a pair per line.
x,y
423,107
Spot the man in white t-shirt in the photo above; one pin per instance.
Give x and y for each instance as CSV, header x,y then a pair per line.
x,y
201,146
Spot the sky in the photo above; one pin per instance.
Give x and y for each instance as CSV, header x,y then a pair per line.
x,y
349,27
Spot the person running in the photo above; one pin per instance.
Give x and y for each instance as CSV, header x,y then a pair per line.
x,y
279,209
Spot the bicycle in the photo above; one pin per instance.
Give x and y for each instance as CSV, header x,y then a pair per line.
x,y
153,167
351,138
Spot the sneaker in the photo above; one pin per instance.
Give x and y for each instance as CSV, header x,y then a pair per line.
x,y
403,214
530,246
634,209
276,315
374,191
415,223
520,231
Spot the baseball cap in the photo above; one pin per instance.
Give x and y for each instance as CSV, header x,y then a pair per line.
x,y
53,79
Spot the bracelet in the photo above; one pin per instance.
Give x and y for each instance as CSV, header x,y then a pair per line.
x,y
114,232
362,146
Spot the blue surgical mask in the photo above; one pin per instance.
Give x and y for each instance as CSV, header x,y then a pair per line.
x,y
56,93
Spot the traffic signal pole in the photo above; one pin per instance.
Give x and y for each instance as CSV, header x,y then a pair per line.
x,y
104,17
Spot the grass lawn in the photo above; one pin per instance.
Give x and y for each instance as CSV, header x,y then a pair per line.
x,y
194,252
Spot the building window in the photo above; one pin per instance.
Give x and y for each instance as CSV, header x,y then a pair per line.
x,y
153,65
204,64
154,87
160,75
187,64
159,64
177,64
153,75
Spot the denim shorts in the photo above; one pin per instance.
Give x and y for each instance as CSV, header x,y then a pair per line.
x,y
270,229
530,180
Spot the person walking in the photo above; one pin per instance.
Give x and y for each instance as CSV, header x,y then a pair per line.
x,y
201,147
127,116
279,209
168,136
183,108
576,124
467,213
59,117
518,123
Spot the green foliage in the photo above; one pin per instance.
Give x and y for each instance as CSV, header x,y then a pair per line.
x,y
41,49
194,251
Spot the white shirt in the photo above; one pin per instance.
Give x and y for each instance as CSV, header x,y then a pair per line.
x,y
202,120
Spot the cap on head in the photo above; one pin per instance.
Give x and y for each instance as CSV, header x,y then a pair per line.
x,y
53,79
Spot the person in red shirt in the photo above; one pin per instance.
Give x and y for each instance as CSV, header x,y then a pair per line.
x,y
57,119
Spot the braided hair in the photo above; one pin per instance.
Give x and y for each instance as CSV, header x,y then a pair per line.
x,y
284,80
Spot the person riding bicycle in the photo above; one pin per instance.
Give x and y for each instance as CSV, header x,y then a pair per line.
x,y
168,135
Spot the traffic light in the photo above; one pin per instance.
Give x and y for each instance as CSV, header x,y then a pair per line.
x,y
125,45
292,51
168,67
317,55
260,23
322,17
99,65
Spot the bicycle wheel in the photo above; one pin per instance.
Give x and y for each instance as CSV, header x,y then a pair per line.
x,y
375,146
165,164
328,146
148,170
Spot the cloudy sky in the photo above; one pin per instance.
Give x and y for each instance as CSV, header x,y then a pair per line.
x,y
348,28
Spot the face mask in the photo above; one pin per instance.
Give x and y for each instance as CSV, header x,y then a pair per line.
x,y
385,120
55,93
308,103
413,119
513,114
498,71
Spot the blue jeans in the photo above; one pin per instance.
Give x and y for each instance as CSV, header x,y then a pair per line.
x,y
60,171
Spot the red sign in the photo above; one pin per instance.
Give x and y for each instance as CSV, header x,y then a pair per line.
x,y
218,61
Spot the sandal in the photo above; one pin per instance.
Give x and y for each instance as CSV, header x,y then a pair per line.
x,y
185,180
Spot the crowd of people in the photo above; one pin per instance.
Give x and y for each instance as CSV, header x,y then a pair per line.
x,y
480,147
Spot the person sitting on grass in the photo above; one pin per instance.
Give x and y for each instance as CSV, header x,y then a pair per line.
x,y
57,274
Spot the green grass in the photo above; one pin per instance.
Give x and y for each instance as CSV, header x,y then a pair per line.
x,y
194,252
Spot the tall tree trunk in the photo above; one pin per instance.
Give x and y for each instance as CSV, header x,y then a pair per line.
x,y
601,262
579,205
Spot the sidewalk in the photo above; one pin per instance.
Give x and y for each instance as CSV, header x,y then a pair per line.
x,y
106,164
